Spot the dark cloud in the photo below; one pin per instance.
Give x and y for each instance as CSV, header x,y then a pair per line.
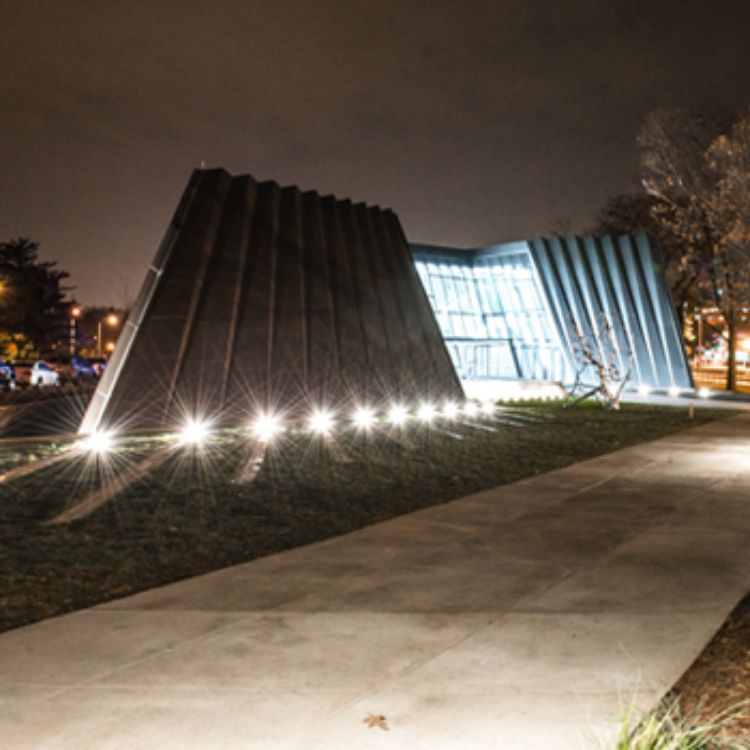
x,y
477,121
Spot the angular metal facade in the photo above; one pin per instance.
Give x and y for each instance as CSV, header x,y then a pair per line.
x,y
511,311
262,297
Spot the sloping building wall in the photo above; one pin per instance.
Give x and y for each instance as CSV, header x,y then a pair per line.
x,y
262,297
512,311
619,279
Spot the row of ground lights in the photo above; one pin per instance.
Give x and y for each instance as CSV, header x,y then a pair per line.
x,y
674,391
322,422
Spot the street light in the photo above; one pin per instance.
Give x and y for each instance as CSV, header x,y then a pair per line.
x,y
112,320
75,313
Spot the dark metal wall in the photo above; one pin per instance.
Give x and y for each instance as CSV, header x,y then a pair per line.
x,y
262,297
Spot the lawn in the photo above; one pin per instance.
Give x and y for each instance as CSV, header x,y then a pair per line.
x,y
188,516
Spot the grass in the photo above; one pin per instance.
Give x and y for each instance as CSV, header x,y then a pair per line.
x,y
667,728
189,517
31,394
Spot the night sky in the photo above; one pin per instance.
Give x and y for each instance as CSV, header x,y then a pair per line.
x,y
476,121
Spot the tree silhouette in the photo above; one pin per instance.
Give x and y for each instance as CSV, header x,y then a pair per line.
x,y
695,172
33,305
696,169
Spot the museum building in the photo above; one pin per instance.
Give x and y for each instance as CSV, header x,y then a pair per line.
x,y
269,297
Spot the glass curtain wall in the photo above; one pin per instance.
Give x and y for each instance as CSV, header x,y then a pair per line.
x,y
493,317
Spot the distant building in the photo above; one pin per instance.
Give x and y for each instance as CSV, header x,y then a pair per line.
x,y
269,298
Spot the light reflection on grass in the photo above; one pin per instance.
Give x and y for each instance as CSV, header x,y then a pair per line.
x,y
190,515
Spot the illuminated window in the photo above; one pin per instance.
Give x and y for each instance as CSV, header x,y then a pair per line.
x,y
493,317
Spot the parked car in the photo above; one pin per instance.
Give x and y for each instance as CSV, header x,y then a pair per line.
x,y
7,376
99,364
38,374
73,368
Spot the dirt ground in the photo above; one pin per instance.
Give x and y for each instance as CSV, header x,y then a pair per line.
x,y
720,677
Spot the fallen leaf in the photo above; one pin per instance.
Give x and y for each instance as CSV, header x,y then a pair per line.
x,y
376,720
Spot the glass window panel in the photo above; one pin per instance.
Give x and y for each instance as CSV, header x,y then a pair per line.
x,y
481,309
457,325
440,294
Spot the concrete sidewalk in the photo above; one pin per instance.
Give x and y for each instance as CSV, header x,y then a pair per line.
x,y
517,618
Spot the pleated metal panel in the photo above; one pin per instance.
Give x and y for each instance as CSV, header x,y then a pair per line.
x,y
617,279
350,326
263,297
256,291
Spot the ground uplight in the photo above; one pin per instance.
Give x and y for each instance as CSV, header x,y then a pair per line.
x,y
321,422
426,413
450,410
471,408
100,441
266,427
194,432
363,417
397,415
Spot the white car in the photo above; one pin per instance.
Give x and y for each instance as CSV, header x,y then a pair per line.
x,y
38,374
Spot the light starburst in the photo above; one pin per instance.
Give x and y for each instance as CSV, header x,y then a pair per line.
x,y
321,422
266,427
364,418
398,415
194,432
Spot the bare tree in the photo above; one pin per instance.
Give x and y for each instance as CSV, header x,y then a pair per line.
x,y
602,368
729,158
696,170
